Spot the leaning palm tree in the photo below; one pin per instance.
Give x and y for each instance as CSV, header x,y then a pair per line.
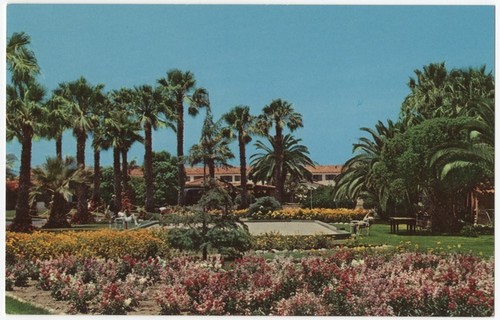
x,y
240,125
281,115
148,105
81,98
295,160
179,85
57,180
21,61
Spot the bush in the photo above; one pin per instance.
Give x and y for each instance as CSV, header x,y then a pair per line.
x,y
322,197
469,231
262,207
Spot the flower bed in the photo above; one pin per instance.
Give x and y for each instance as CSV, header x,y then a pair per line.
x,y
321,214
343,284
102,243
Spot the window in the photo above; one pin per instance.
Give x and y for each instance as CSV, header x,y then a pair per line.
x,y
317,177
330,176
237,178
227,178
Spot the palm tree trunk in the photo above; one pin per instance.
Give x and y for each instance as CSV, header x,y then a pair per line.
x,y
243,173
117,174
180,152
211,169
82,216
59,147
278,174
96,195
22,222
58,211
148,167
125,176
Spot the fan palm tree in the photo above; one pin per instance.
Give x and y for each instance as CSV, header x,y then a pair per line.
x,y
58,179
213,148
295,159
11,159
57,121
179,85
281,115
148,104
240,125
81,99
25,118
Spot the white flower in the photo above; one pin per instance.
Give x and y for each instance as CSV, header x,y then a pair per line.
x,y
127,302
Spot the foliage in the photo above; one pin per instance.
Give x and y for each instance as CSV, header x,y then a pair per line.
x,y
321,214
276,241
322,197
262,207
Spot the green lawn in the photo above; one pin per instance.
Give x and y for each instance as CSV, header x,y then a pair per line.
x,y
13,306
379,234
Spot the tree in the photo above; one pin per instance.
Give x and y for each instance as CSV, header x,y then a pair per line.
x,y
57,179
295,159
24,117
81,99
57,121
241,125
11,159
148,104
213,148
281,115
179,85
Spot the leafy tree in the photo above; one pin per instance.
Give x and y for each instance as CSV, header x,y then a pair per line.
x,y
279,114
165,183
57,179
295,159
240,125
179,85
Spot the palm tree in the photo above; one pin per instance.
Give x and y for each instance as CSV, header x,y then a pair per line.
x,y
81,99
357,173
57,121
24,116
295,159
57,179
11,159
213,148
148,105
21,61
178,85
240,125
281,115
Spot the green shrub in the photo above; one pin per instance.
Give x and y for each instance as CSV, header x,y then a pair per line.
x,y
469,231
262,207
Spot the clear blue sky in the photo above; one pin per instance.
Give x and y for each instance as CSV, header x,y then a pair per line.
x,y
342,67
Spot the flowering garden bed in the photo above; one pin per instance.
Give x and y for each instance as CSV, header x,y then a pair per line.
x,y
321,214
347,282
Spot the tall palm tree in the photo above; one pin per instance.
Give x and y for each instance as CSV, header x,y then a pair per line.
x,y
11,159
57,121
57,179
281,115
81,99
240,125
295,159
148,105
179,85
213,148
24,116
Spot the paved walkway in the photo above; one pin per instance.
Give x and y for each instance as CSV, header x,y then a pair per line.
x,y
296,228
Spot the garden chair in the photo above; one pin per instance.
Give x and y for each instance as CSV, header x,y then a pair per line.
x,y
358,227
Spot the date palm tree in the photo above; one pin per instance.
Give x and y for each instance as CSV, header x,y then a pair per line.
x,y
240,125
279,114
81,99
179,85
295,160
57,179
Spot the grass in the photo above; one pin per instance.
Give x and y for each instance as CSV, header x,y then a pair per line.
x,y
380,234
13,306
